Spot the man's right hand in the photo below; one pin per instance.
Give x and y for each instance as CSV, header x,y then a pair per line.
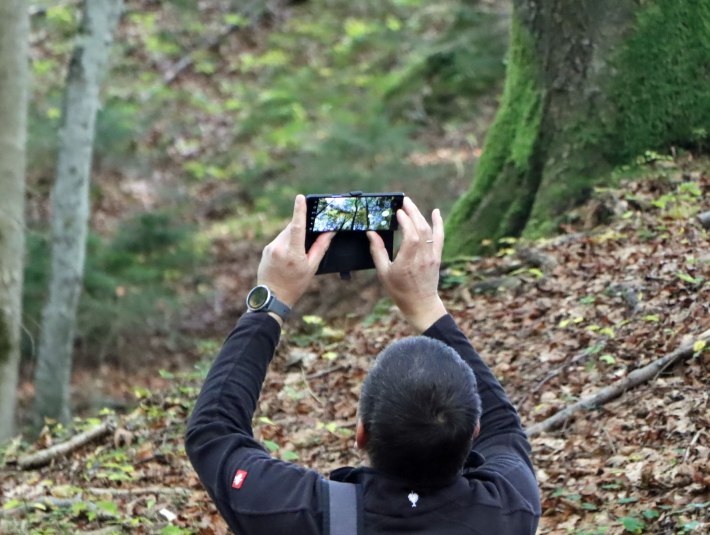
x,y
412,279
285,267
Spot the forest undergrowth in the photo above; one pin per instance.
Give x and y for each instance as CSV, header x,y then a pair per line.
x,y
557,320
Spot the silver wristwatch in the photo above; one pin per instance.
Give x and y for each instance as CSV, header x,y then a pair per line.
x,y
262,299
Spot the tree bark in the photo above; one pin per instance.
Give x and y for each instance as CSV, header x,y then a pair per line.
x,y
590,85
14,81
70,207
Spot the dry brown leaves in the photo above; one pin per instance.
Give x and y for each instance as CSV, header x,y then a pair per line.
x,y
604,303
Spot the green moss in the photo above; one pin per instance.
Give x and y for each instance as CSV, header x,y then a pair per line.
x,y
647,88
662,91
508,152
658,91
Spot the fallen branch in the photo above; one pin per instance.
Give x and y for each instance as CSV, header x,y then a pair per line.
x,y
96,491
326,371
44,457
186,61
108,530
45,503
610,392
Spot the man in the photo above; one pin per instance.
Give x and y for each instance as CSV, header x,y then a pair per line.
x,y
447,451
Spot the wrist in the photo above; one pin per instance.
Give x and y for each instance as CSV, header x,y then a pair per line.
x,y
278,318
287,297
425,313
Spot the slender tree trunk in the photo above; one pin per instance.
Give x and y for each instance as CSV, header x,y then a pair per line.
x,y
70,207
14,82
590,85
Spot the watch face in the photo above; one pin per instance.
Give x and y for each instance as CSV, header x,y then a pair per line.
x,y
258,297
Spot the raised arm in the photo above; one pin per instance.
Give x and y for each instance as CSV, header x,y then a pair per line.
x,y
234,468
411,280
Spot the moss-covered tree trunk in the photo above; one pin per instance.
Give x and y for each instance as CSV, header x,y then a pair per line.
x,y
589,85
14,81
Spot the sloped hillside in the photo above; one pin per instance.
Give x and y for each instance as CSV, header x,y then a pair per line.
x,y
557,320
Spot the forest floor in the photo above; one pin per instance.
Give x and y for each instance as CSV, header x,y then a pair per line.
x,y
557,320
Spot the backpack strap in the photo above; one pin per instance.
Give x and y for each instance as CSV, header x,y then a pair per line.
x,y
343,516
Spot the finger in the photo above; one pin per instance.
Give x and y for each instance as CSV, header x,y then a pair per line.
x,y
417,218
282,238
298,223
378,252
410,236
437,232
319,248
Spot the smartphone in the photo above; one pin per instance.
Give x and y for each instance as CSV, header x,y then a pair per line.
x,y
350,215
353,212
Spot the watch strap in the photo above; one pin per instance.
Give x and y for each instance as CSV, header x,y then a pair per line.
x,y
277,307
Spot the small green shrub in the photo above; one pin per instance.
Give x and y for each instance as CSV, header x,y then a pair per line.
x,y
130,282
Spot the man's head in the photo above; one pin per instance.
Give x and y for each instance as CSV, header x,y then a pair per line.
x,y
419,410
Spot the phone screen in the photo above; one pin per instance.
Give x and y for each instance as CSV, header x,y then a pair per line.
x,y
354,213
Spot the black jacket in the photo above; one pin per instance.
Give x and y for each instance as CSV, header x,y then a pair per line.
x,y
496,493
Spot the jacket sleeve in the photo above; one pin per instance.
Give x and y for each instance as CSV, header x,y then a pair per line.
x,y
502,440
245,482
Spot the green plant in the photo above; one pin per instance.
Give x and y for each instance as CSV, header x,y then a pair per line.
x,y
632,524
130,281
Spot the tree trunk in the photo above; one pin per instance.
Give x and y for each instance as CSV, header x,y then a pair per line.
x,y
70,207
589,86
14,81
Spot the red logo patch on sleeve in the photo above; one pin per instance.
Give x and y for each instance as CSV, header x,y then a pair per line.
x,y
239,478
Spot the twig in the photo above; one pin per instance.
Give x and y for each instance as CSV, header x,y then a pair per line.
x,y
613,391
326,371
108,530
48,455
308,387
690,446
610,440
186,61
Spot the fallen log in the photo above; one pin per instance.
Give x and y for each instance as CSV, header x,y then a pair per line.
x,y
606,394
46,456
138,491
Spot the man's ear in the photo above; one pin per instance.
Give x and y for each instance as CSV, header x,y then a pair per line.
x,y
360,435
477,430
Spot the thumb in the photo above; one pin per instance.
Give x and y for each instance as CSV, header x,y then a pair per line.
x,y
319,248
378,252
